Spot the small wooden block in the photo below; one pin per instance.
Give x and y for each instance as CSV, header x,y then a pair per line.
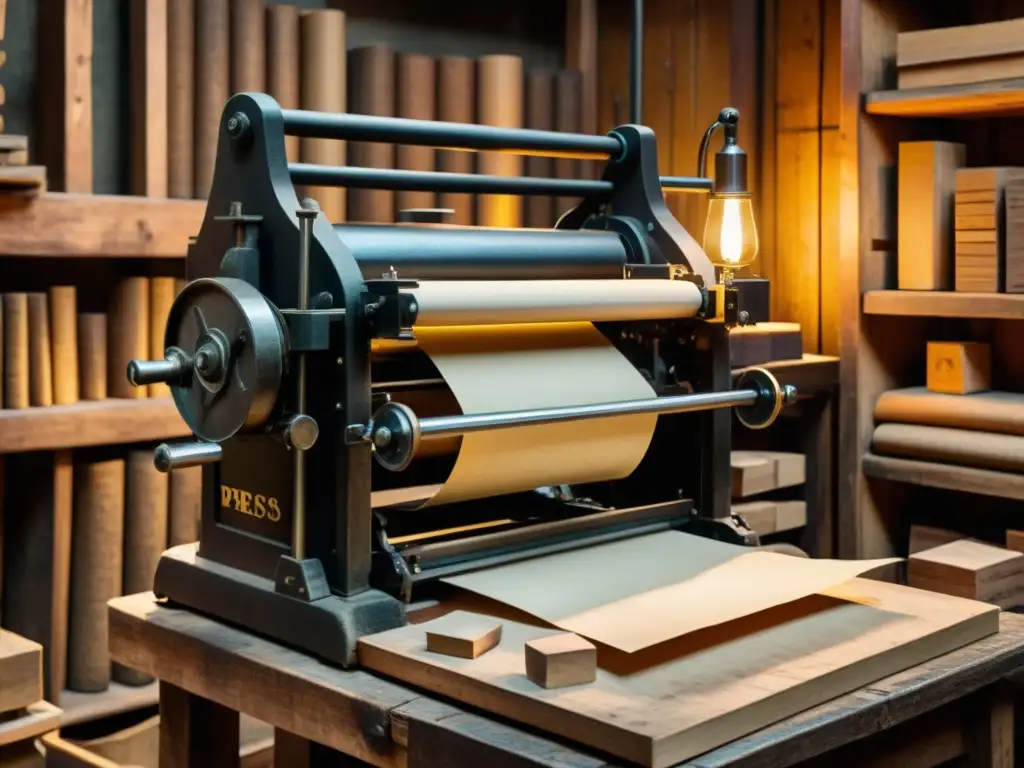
x,y
751,474
766,517
924,537
21,672
463,634
558,661
959,368
970,569
1015,540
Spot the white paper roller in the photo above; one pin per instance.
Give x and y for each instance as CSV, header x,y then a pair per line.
x,y
451,303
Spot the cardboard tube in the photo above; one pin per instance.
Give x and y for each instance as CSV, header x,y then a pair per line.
x,y
127,335
64,331
500,103
985,450
568,118
248,46
161,297
540,105
323,89
495,302
416,89
372,92
39,360
456,102
212,43
181,40
92,346
283,64
16,351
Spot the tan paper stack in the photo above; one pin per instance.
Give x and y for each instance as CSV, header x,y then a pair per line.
x,y
979,227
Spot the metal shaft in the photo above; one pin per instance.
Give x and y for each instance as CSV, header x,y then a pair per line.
x,y
306,218
636,64
450,426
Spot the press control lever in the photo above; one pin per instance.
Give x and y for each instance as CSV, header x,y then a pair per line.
x,y
171,370
170,456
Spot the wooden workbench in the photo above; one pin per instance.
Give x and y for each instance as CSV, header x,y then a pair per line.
x,y
954,705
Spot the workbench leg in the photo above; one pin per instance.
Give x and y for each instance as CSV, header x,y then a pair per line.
x,y
989,731
819,446
296,752
195,732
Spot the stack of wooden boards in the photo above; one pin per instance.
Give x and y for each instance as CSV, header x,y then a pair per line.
x,y
670,684
960,55
959,228
193,55
113,514
53,354
759,474
16,175
953,563
24,715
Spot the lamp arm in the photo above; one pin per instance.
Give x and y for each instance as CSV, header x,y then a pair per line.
x,y
728,118
702,153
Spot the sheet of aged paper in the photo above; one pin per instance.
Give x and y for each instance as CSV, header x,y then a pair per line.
x,y
635,593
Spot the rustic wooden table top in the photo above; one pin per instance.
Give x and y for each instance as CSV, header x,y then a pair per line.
x,y
388,724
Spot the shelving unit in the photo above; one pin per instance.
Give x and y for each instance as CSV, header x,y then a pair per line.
x,y
89,423
995,98
945,304
885,330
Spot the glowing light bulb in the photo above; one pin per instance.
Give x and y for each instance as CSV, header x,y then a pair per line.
x,y
731,235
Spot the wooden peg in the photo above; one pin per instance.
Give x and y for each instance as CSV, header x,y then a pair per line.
x,y
463,634
561,660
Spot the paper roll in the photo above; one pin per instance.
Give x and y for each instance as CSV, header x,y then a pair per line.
x,y
415,90
181,41
212,45
497,302
456,76
516,367
500,103
372,92
283,64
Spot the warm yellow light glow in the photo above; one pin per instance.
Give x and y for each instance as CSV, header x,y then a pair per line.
x,y
731,235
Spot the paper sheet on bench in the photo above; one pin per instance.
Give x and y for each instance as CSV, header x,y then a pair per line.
x,y
639,592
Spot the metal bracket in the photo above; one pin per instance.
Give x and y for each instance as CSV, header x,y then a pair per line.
x,y
302,579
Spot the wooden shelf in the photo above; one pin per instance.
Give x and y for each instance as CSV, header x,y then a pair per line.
x,y
944,304
84,707
35,720
988,99
810,374
949,477
88,423
97,226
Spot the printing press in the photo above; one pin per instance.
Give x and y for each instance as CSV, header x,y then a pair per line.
x,y
297,356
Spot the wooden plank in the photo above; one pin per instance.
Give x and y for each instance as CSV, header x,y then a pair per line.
x,y
957,43
65,94
147,21
655,711
948,477
989,99
98,226
944,304
88,423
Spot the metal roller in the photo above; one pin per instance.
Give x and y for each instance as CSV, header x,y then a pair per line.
x,y
470,253
450,303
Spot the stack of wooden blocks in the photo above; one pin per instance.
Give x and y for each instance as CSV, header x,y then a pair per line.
x,y
756,473
23,714
984,262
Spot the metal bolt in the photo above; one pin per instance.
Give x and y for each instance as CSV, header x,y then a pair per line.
x,y
744,317
650,226
238,125
382,437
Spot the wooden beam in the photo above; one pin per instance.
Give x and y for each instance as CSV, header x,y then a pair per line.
x,y
65,94
96,226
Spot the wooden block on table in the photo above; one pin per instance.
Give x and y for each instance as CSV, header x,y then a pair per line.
x,y
970,569
21,672
927,179
558,661
959,368
463,634
924,537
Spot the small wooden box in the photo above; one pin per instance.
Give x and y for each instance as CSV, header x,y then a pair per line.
x,y
927,180
959,368
557,661
970,569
